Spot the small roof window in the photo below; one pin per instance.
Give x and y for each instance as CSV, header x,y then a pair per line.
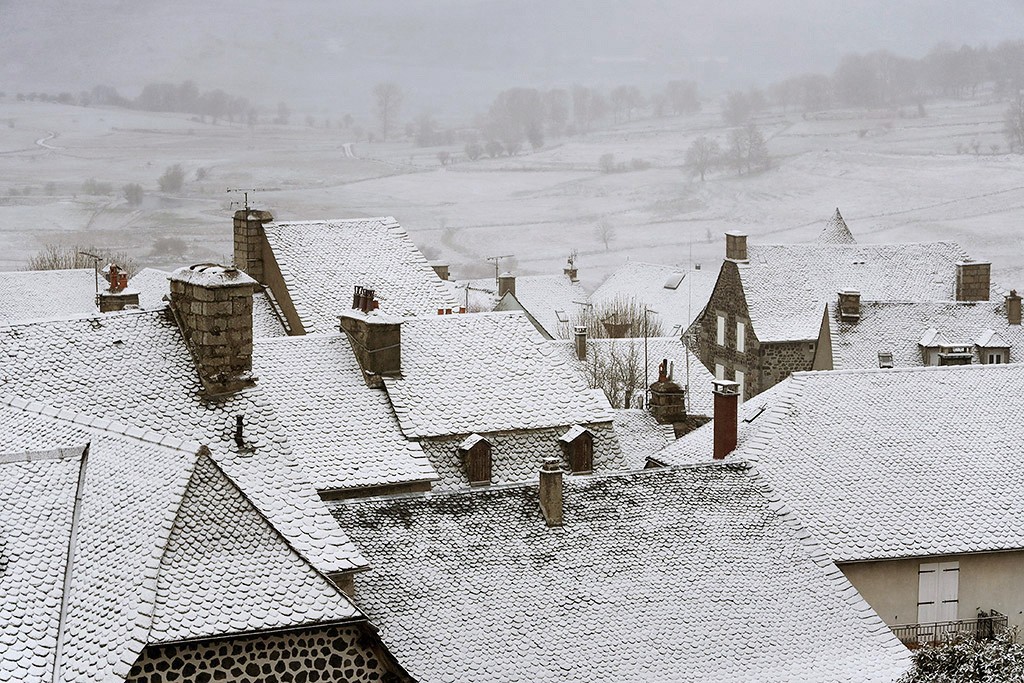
x,y
885,359
674,281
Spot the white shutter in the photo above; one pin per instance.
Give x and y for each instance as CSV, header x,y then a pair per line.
x,y
949,586
721,330
719,371
739,380
927,593
741,338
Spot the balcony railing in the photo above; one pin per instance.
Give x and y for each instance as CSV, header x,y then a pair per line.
x,y
987,625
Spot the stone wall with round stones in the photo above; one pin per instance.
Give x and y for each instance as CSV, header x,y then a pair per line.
x,y
328,654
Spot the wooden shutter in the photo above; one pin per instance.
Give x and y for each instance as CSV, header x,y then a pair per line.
x,y
581,453
928,593
478,463
949,588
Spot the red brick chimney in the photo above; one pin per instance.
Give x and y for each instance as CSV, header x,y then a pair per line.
x,y
117,296
727,399
580,336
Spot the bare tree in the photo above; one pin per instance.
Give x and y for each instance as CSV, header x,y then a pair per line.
x,y
1014,130
66,257
748,149
388,102
702,156
605,233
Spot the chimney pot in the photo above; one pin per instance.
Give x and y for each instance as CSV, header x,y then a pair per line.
x,y
735,246
551,491
580,334
506,284
727,398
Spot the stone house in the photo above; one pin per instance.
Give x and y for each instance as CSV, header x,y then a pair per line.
x,y
769,313
919,508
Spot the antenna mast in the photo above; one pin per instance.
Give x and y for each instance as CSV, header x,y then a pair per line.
x,y
497,260
245,194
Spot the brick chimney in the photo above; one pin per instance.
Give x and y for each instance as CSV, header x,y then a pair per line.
x,y
849,305
213,307
506,284
376,340
668,399
736,246
580,336
727,399
249,239
973,281
1013,308
551,491
116,296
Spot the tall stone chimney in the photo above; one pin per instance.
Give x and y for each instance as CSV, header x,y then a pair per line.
x,y
668,399
506,284
213,307
441,269
973,281
1013,308
727,399
570,270
580,337
376,340
551,491
849,305
736,246
116,296
249,238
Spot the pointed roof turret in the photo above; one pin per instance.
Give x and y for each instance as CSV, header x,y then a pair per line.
x,y
835,231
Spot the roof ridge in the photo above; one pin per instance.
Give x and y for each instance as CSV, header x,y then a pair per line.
x,y
973,367
762,438
297,338
63,453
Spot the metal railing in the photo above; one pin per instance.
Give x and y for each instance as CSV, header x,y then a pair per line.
x,y
987,625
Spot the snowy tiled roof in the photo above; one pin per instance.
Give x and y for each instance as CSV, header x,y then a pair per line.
x,y
900,328
640,436
343,434
672,574
134,367
47,294
160,537
835,231
486,372
552,300
931,477
788,286
676,293
322,262
608,352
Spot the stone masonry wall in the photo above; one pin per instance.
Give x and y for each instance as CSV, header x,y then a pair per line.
x,y
779,360
248,240
321,654
972,281
728,299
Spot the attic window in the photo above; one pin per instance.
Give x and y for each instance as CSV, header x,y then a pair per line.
x,y
578,449
562,316
475,452
885,359
674,281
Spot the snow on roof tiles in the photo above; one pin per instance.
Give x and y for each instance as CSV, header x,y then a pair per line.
x,y
929,478
640,435
322,261
672,574
47,294
787,286
901,328
485,372
835,231
134,367
545,297
645,282
344,434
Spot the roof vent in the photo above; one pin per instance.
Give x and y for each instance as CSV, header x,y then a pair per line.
x,y
885,359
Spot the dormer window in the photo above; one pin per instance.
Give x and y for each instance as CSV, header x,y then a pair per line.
x,y
578,449
475,453
992,348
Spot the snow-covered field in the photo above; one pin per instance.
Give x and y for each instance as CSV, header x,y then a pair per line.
x,y
894,178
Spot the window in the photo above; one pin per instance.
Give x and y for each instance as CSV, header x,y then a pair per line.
x,y
740,377
741,337
995,358
719,371
937,596
721,330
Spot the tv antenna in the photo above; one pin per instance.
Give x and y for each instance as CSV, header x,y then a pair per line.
x,y
245,194
95,270
572,258
497,260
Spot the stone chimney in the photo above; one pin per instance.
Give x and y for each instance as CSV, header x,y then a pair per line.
x,y
506,284
376,340
1013,308
570,270
849,305
442,270
668,399
736,246
249,238
551,491
117,296
973,281
727,399
213,307
580,336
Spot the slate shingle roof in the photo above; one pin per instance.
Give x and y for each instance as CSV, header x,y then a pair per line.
x,y
930,477
835,231
548,298
683,574
646,282
47,294
134,367
344,434
788,286
486,372
898,327
640,436
161,537
322,261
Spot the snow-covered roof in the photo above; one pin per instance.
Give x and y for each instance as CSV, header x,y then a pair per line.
x,y
640,435
323,261
554,301
673,574
486,372
676,293
787,286
930,477
835,231
47,294
135,367
903,328
162,546
344,434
